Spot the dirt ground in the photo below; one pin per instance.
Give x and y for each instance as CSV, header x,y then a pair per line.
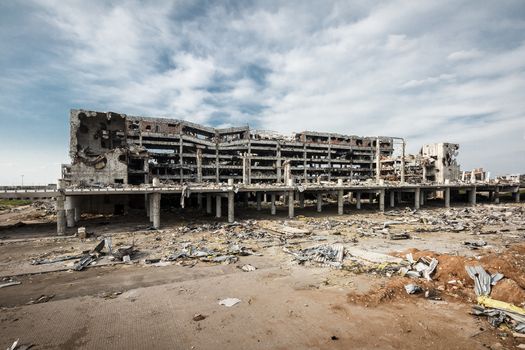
x,y
284,303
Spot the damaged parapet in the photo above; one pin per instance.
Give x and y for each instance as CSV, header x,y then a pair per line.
x,y
435,163
439,162
112,148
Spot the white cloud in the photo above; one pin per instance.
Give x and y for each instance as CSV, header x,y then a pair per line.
x,y
464,55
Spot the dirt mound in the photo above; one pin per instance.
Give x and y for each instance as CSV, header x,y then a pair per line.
x,y
452,281
393,289
508,290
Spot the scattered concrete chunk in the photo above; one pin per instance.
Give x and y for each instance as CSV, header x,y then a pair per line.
x,y
248,268
229,302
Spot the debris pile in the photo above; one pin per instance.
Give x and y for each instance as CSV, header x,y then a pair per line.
x,y
498,312
323,255
423,267
191,252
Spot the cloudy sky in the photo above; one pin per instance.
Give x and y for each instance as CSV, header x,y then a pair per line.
x,y
429,71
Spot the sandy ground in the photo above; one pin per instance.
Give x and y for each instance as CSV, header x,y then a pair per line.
x,y
283,305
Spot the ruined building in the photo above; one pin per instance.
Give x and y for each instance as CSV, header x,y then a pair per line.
x,y
112,148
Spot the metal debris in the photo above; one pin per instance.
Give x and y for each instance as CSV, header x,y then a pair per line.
x,y
41,299
423,267
9,284
55,260
482,280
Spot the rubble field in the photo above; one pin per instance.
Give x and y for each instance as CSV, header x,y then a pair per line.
x,y
432,278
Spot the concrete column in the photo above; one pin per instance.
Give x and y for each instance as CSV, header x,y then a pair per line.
x,y
246,197
199,200
472,196
155,213
208,203
416,198
340,202
290,205
150,200
382,200
258,196
517,196
78,209
447,197
70,211
231,207
265,199
61,215
231,203
422,195
319,202
392,195
272,199
70,217
218,206
358,200
75,206
496,195
301,200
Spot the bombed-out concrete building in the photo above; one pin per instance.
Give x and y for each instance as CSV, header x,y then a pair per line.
x,y
111,148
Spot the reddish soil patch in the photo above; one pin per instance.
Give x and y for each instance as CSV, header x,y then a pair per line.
x,y
452,281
